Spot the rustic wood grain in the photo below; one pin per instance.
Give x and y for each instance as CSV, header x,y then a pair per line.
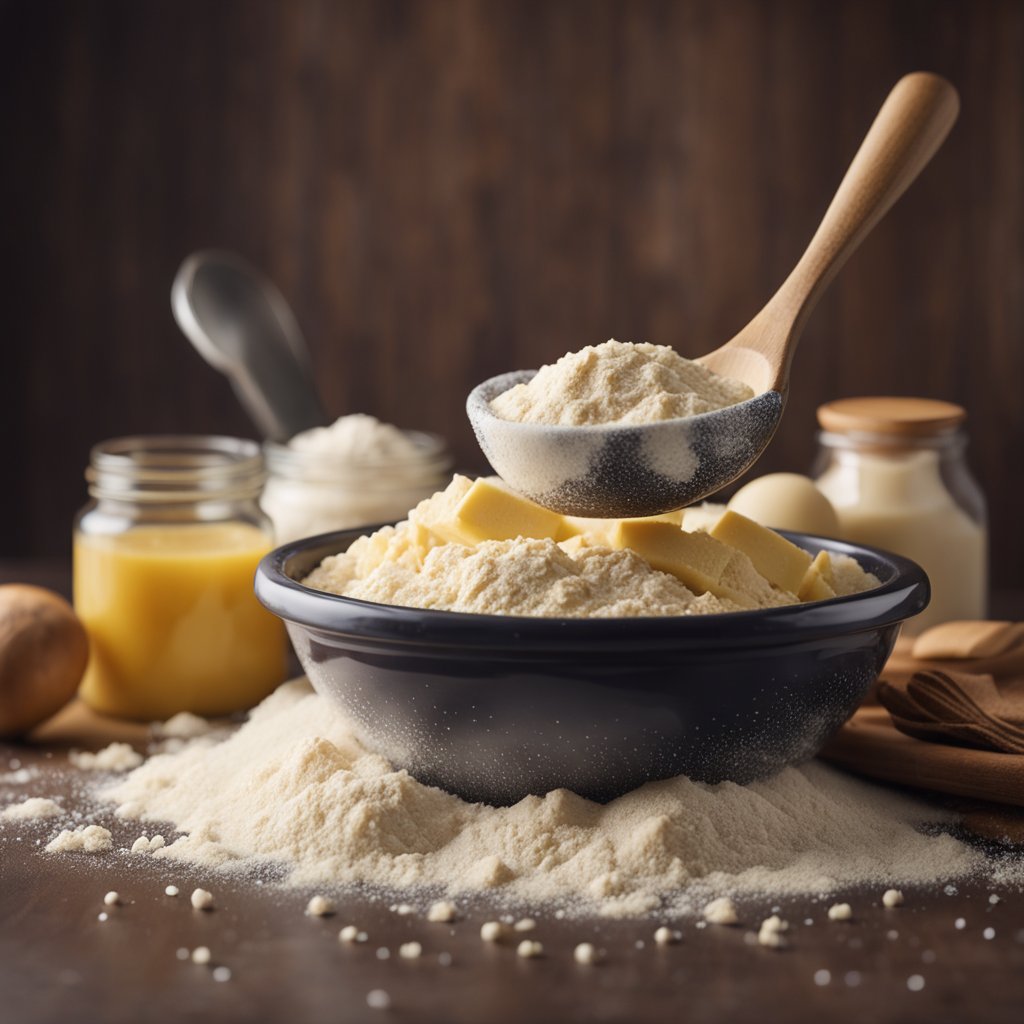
x,y
447,189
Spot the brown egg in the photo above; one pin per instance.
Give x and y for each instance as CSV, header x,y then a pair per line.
x,y
43,653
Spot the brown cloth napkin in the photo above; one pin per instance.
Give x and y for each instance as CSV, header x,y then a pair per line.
x,y
955,707
952,719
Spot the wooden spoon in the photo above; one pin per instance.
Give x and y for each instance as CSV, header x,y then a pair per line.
x,y
611,470
912,124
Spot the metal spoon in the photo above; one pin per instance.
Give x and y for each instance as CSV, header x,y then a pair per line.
x,y
241,325
612,470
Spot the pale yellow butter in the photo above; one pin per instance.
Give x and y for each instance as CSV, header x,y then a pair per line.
x,y
696,559
818,581
774,557
602,531
490,511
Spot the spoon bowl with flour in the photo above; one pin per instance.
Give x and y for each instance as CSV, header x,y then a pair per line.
x,y
660,455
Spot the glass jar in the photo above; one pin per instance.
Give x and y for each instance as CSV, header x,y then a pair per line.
x,y
895,471
164,558
311,492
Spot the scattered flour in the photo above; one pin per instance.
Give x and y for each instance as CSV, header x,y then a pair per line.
x,y
34,808
88,839
117,757
619,382
293,787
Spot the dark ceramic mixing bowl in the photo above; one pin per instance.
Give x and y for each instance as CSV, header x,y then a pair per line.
x,y
494,708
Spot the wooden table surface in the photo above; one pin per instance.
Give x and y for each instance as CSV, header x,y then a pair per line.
x,y
59,962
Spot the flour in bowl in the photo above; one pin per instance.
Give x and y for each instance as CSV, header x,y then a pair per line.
x,y
295,789
535,563
619,382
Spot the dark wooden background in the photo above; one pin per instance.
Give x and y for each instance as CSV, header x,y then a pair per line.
x,y
447,189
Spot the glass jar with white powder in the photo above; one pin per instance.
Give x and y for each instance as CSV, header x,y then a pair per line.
x,y
356,472
896,473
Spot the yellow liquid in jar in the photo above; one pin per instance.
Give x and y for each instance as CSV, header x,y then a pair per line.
x,y
173,621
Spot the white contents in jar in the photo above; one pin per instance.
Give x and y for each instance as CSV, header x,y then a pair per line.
x,y
356,472
898,501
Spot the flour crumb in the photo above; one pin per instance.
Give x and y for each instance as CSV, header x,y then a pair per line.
x,y
201,955
171,890
666,937
721,911
201,899
116,757
33,809
840,912
112,899
587,953
528,949
222,973
146,845
87,839
525,924
442,912
771,933
410,950
378,999
320,906
182,726
350,933
492,931
892,898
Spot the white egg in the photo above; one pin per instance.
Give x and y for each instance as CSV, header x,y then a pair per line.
x,y
787,501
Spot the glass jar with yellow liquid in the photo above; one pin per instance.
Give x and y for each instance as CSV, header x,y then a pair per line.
x,y
164,558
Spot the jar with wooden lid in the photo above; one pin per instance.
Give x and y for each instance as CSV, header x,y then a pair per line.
x,y
895,470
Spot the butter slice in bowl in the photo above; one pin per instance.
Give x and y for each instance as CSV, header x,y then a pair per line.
x,y
480,548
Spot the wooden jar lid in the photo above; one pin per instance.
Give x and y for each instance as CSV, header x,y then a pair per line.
x,y
899,417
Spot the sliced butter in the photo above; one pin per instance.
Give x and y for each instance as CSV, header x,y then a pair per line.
x,y
817,584
437,513
490,511
602,531
780,562
696,559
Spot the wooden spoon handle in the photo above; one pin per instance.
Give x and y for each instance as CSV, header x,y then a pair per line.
x,y
915,118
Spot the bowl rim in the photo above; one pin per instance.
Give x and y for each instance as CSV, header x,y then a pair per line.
x,y
904,593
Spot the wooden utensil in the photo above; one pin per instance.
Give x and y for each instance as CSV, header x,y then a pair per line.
x,y
611,470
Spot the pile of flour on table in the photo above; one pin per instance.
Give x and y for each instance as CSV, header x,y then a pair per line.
x,y
294,788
